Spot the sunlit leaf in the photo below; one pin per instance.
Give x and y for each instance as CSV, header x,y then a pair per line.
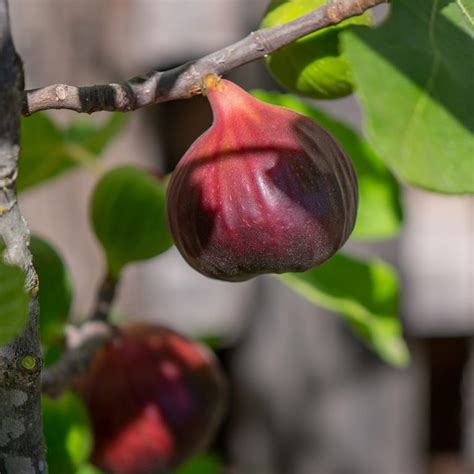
x,y
311,66
365,294
414,80
67,433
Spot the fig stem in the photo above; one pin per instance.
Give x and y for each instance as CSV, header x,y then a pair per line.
x,y
82,342
105,298
188,80
64,374
210,81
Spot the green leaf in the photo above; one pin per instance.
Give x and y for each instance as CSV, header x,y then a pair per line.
x,y
379,215
365,293
214,342
129,217
52,353
88,469
415,82
14,301
42,154
55,291
202,464
92,137
67,433
312,66
48,151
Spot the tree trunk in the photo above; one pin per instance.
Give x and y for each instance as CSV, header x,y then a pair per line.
x,y
21,440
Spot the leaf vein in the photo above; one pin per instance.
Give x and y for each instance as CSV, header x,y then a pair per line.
x,y
425,92
465,12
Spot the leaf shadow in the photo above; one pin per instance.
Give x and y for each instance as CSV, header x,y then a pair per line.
x,y
437,58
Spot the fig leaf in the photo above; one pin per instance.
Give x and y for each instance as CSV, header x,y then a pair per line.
x,y
414,81
128,215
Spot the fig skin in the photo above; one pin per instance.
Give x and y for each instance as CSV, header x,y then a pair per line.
x,y
263,190
154,398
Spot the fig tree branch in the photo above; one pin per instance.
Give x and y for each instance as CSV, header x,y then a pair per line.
x,y
82,343
21,437
186,80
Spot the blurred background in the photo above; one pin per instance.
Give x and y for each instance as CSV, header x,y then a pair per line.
x,y
307,396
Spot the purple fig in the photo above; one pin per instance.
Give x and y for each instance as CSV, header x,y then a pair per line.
x,y
154,397
263,190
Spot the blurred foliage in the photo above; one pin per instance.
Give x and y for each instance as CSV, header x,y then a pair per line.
x,y
67,433
47,150
414,80
93,137
365,293
201,464
213,341
14,300
55,291
88,469
379,215
129,218
53,352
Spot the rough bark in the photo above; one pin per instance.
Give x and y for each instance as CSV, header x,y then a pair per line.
x,y
21,440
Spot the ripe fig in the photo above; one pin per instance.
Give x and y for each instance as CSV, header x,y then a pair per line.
x,y
312,66
154,398
263,190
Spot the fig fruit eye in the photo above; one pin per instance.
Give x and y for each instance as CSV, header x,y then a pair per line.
x,y
263,190
154,398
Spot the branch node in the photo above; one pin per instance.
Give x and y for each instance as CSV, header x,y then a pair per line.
x,y
61,92
260,44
